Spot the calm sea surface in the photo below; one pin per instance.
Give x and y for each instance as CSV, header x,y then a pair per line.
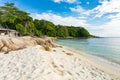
x,y
108,48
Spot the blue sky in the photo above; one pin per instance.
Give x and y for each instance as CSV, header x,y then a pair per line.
x,y
100,17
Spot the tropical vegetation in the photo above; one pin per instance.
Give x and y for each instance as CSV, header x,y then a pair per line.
x,y
13,18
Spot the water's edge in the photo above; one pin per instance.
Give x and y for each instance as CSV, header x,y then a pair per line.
x,y
105,48
102,63
93,57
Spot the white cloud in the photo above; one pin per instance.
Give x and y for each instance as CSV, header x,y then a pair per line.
x,y
110,28
111,6
57,1
56,19
67,1
77,9
88,3
80,10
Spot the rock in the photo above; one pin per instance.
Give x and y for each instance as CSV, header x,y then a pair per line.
x,y
14,43
40,41
4,49
1,45
47,48
29,41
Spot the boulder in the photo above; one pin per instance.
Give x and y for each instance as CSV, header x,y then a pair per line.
x,y
14,43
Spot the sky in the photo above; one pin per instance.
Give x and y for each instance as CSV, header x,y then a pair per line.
x,y
99,17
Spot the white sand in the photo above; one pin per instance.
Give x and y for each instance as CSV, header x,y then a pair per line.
x,y
34,63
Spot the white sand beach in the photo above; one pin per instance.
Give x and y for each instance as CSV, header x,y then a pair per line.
x,y
34,63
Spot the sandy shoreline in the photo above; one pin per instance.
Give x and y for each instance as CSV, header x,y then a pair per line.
x,y
34,63
111,68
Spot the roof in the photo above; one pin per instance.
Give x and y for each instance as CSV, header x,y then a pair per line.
x,y
4,29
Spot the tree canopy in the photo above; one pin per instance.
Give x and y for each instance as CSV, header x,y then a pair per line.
x,y
13,18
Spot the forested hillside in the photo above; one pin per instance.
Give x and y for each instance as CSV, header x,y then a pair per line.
x,y
14,18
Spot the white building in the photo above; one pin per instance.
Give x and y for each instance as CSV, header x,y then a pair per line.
x,y
8,32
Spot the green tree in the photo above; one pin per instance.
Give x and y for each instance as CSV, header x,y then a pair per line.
x,y
20,28
11,17
46,27
82,32
7,17
62,31
14,18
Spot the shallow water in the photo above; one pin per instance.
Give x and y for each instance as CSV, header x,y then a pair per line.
x,y
108,48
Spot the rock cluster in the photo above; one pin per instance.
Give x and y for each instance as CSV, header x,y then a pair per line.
x,y
14,43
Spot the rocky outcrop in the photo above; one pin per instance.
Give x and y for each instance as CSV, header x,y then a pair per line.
x,y
10,43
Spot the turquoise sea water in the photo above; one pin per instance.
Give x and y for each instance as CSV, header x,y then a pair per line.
x,y
108,48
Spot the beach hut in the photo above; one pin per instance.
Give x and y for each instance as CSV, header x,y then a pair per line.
x,y
9,32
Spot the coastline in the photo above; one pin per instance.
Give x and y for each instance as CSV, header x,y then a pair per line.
x,y
60,63
103,64
28,58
